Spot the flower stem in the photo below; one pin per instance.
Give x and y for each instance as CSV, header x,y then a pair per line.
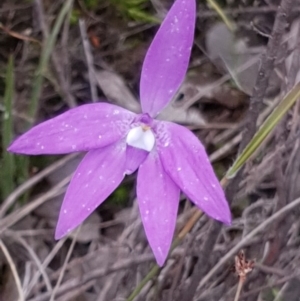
x,y
186,229
155,270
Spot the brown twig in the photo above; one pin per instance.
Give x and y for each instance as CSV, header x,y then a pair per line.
x,y
9,201
19,35
20,213
62,273
280,281
79,281
266,69
249,236
13,270
261,85
244,10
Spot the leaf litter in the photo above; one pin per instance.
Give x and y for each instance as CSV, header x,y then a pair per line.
x,y
111,253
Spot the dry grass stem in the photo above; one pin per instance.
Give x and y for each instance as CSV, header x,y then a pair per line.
x,y
13,270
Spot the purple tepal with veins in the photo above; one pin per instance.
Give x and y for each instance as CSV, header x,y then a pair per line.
x,y
169,158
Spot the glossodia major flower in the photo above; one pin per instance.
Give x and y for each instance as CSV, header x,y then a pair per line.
x,y
169,157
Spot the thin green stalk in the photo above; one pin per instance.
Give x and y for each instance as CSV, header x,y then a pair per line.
x,y
22,162
265,130
257,140
156,269
45,56
8,163
222,15
153,272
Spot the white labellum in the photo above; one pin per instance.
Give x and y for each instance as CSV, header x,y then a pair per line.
x,y
141,138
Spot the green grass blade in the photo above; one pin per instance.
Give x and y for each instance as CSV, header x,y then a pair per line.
x,y
45,55
215,6
22,162
265,130
8,163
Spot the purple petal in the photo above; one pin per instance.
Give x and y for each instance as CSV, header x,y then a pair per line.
x,y
134,158
98,174
83,128
185,160
168,56
158,198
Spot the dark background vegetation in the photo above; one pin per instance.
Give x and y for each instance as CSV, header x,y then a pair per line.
x,y
236,78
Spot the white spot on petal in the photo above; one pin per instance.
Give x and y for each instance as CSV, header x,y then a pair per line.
x,y
159,250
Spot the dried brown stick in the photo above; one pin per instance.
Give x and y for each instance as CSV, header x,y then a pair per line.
x,y
244,10
277,236
48,259
63,270
275,283
278,215
18,214
76,282
266,69
9,201
33,255
261,85
13,269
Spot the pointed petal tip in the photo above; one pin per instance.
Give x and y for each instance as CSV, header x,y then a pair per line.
x,y
160,254
16,148
219,213
61,230
83,128
58,234
13,148
226,220
158,199
160,260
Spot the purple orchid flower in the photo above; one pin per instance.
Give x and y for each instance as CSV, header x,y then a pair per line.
x,y
169,158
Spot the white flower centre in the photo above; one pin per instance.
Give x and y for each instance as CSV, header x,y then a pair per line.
x,y
141,137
